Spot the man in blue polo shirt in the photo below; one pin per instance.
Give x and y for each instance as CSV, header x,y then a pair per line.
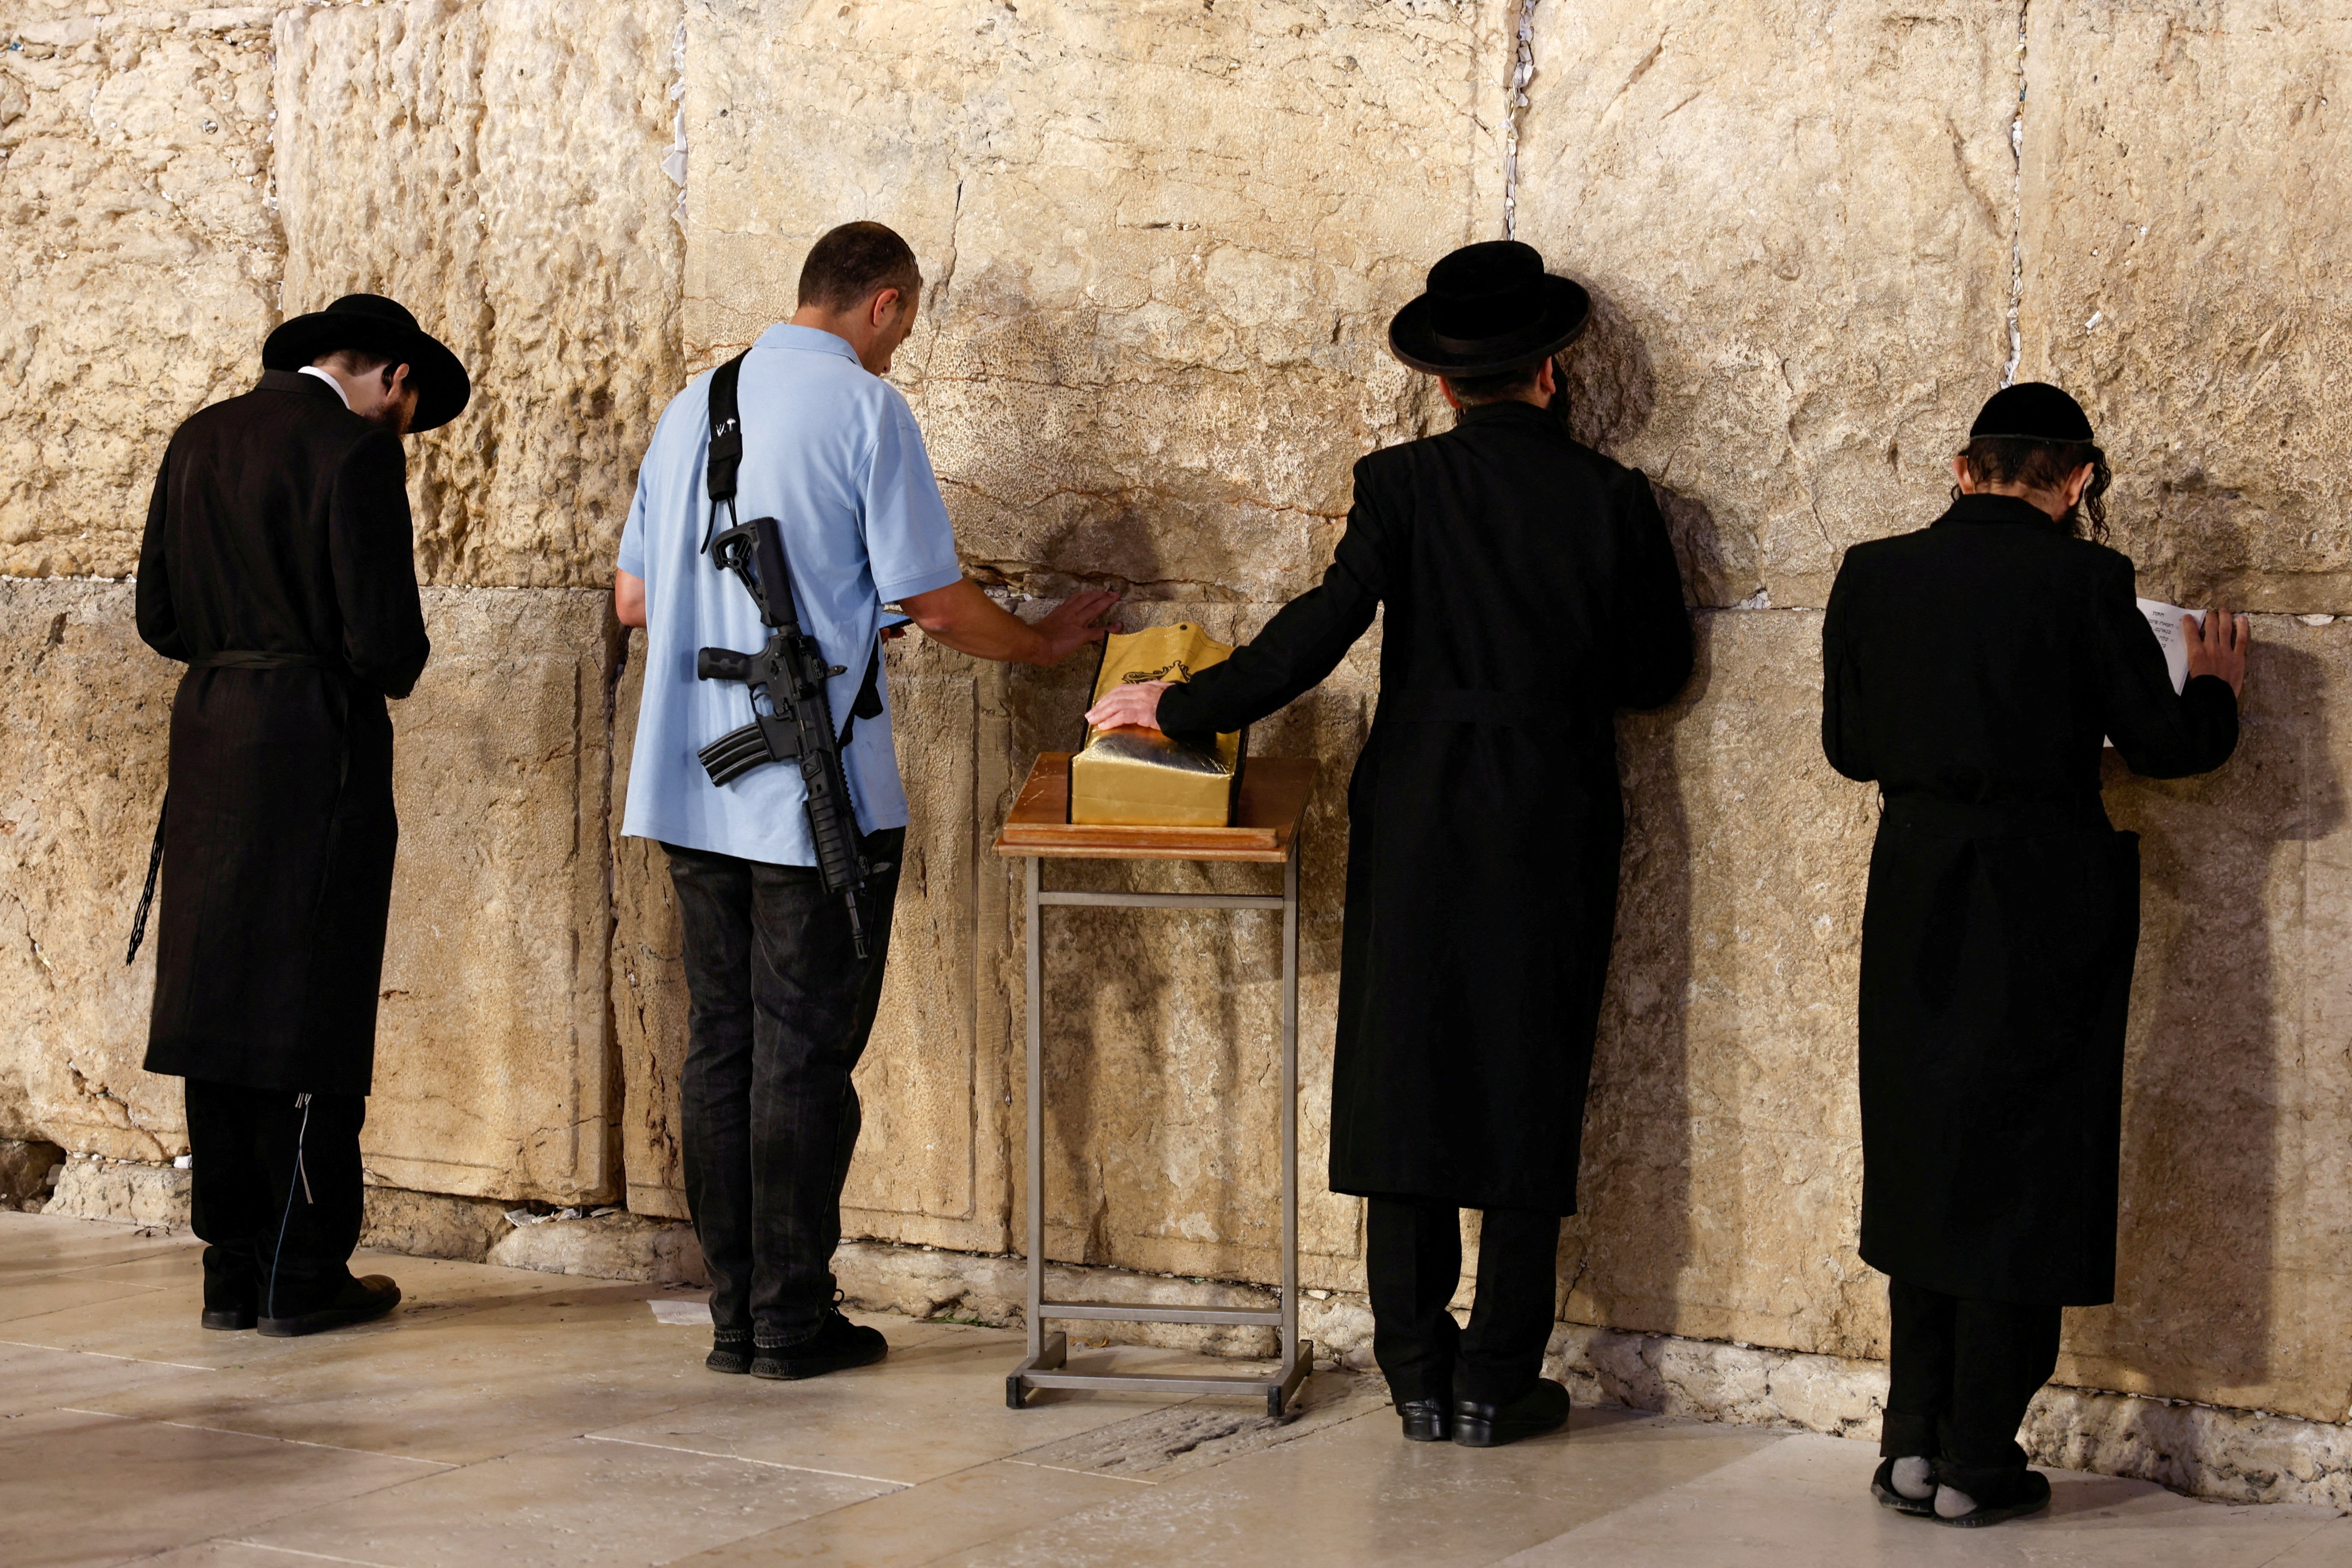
x,y
780,1002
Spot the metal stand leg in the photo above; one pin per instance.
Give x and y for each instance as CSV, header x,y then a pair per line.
x,y
1044,1367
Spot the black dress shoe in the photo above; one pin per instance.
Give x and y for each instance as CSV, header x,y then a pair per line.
x,y
839,1345
360,1301
1543,1408
227,1317
1425,1420
1882,1487
1990,1496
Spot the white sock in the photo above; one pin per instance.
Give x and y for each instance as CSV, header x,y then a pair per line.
x,y
1952,1502
1912,1478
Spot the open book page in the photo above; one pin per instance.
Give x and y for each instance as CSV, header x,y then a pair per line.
x,y
2165,621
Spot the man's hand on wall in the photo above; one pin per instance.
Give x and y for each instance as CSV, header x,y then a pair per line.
x,y
968,621
2218,647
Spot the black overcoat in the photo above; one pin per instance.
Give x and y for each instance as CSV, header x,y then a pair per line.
x,y
1970,670
1531,591
277,562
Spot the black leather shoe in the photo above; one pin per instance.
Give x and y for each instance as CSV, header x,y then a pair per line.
x,y
1882,1487
227,1317
1543,1408
1425,1420
839,1345
1990,1496
360,1301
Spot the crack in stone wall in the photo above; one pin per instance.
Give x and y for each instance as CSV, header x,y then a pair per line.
x,y
2017,214
1523,71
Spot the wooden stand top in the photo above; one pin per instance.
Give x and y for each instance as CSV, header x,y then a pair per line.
x,y
1273,799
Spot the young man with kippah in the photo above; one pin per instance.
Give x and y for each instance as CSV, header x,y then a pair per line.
x,y
1971,670
783,988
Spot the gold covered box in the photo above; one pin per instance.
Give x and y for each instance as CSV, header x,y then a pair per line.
x,y
1134,777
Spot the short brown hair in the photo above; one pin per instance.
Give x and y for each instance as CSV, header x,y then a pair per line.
x,y
2043,466
1496,385
853,263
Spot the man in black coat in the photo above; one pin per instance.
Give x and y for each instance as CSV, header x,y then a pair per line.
x,y
1970,670
1530,592
278,566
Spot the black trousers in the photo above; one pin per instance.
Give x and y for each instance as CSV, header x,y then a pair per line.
x,y
781,1008
281,1236
1963,1373
1412,1260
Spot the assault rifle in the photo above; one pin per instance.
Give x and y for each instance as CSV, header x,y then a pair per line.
x,y
790,672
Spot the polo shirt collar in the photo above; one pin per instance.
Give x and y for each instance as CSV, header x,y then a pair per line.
x,y
807,340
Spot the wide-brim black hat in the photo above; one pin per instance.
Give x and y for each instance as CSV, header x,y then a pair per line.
x,y
1489,308
378,325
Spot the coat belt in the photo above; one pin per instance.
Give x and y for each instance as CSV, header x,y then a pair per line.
x,y
2008,819
1476,705
256,658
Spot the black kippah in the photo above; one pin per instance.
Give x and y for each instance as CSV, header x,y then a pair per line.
x,y
2031,411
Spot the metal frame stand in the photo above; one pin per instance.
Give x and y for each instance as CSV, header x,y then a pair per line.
x,y
1044,1367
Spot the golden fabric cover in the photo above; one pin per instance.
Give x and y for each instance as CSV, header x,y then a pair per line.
x,y
1135,777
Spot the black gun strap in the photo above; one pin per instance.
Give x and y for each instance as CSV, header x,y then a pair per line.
x,y
869,694
726,440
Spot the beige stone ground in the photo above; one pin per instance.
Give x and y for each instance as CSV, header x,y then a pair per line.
x,y
511,1417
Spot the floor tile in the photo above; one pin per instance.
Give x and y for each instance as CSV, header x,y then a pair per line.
x,y
1806,1501
80,1490
32,1296
921,1524
43,1244
1360,1493
2329,1546
931,1407
232,1553
577,1503
35,1378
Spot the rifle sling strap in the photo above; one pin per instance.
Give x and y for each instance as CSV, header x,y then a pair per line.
x,y
726,459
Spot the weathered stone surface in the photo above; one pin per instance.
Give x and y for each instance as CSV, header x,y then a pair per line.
x,y
496,167
1796,221
28,1172
492,1044
2184,268
493,1040
82,737
143,256
93,1187
432,1225
610,1246
1162,243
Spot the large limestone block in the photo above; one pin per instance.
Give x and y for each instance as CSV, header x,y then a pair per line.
x,y
1796,219
142,258
2186,261
83,737
1722,1161
493,1046
1162,243
496,167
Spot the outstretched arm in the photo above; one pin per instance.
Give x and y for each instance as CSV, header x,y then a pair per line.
x,y
969,621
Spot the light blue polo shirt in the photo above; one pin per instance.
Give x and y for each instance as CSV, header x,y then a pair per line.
x,y
831,453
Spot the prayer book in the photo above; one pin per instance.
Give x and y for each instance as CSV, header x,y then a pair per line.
x,y
1134,777
2164,620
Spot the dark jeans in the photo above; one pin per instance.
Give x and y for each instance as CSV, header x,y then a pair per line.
x,y
780,1008
246,1192
1963,1373
1412,1260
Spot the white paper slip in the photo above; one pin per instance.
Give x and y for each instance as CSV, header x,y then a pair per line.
x,y
681,1314
2164,620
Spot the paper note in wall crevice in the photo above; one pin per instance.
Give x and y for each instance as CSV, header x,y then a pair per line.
x,y
2164,620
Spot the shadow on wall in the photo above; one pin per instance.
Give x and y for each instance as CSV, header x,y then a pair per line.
x,y
2213,1010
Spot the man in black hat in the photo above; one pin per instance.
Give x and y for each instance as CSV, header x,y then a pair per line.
x,y
278,566
1531,591
1970,670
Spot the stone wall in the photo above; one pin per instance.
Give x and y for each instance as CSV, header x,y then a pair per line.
x,y
1161,241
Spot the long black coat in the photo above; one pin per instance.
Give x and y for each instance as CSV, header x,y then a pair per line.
x,y
1970,670
279,528
1531,591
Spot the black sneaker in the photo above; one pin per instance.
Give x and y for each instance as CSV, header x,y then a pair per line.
x,y
1541,1409
229,1318
1991,1496
838,1346
1889,1495
359,1301
730,1355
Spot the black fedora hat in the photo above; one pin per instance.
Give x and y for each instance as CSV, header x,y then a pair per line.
x,y
379,325
1489,307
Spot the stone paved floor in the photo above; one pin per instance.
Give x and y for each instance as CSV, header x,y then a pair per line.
x,y
509,1418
